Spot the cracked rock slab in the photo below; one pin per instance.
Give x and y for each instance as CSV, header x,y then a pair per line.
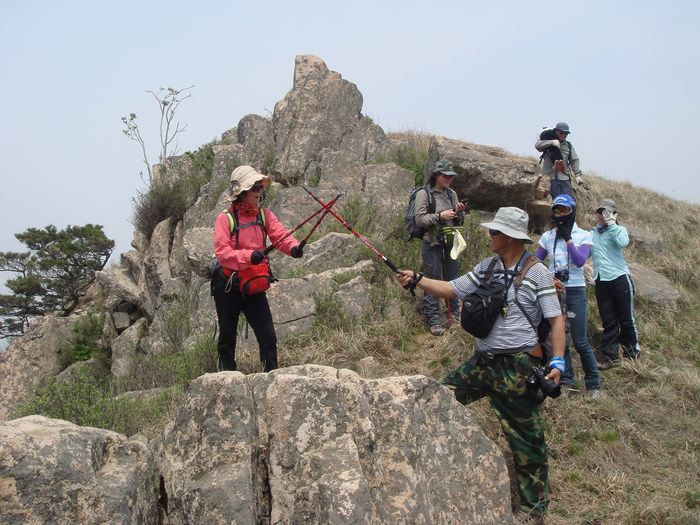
x,y
313,444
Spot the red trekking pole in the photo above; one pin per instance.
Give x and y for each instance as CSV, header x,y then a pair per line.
x,y
362,238
302,243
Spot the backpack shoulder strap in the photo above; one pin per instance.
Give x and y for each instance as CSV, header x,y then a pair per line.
x,y
570,148
529,263
453,196
231,221
431,199
490,270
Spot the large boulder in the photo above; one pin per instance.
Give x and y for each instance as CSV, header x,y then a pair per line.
x,y
330,251
29,361
255,133
645,240
156,260
491,177
319,111
314,444
653,287
124,348
52,471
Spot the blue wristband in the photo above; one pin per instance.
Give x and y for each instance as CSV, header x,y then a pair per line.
x,y
558,363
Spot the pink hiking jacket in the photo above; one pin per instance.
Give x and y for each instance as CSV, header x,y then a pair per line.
x,y
249,240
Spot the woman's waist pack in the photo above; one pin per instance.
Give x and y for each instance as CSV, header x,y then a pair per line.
x,y
253,280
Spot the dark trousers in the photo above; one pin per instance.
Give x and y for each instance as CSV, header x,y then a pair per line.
x,y
437,264
616,306
558,187
229,305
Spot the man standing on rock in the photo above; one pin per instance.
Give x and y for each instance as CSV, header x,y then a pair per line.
x,y
505,358
559,159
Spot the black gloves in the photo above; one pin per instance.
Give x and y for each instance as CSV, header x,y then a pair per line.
x,y
564,231
297,251
257,257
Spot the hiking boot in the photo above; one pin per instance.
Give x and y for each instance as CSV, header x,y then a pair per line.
x,y
437,330
524,518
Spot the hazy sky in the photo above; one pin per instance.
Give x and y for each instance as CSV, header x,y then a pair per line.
x,y
624,75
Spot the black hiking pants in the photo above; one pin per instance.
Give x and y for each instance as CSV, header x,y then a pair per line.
x,y
229,305
616,306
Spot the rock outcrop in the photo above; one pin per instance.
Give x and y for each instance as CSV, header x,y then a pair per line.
x,y
32,359
490,178
314,444
52,471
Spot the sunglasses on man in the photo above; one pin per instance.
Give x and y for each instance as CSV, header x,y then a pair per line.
x,y
256,188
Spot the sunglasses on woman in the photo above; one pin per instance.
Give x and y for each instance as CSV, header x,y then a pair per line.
x,y
256,188
493,233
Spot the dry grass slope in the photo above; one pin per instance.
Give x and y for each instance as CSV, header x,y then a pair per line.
x,y
632,457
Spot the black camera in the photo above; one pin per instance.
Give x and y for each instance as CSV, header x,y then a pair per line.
x,y
562,274
542,387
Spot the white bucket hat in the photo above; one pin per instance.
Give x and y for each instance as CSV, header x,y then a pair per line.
x,y
243,178
510,221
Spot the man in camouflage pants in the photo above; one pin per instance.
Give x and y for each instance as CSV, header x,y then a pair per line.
x,y
504,359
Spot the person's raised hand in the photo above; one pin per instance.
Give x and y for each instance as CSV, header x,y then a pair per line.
x,y
610,217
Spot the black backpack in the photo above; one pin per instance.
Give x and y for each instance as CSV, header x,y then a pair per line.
x,y
482,307
409,216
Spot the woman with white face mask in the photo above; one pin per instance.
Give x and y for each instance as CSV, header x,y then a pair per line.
x,y
614,289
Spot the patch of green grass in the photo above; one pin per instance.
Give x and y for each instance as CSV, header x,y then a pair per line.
x,y
89,400
174,369
692,499
82,344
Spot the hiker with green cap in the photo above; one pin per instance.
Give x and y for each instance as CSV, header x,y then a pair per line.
x,y
502,367
559,159
438,210
614,290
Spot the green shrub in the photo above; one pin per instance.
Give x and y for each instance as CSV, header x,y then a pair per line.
x,y
82,344
172,198
408,157
175,369
92,402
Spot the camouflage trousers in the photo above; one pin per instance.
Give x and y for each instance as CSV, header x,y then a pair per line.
x,y
503,380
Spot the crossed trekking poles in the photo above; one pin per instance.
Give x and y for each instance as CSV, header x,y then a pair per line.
x,y
327,208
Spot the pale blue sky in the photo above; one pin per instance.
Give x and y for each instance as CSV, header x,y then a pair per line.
x,y
624,75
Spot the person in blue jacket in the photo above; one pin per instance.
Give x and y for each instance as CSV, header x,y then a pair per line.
x,y
614,289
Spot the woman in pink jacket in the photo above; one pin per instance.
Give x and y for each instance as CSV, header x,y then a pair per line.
x,y
240,235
